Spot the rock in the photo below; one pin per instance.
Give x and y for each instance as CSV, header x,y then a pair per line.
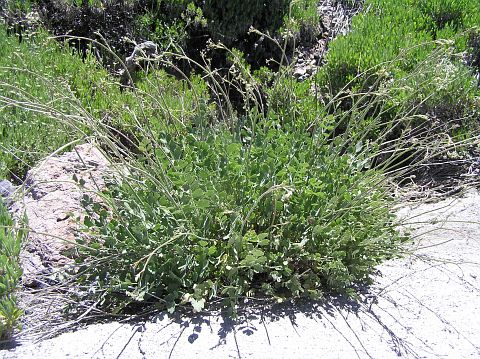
x,y
6,188
299,72
6,191
52,203
33,18
145,50
335,20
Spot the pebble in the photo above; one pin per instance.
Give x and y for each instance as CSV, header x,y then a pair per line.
x,y
6,190
299,72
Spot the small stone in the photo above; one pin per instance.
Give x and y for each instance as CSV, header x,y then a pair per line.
x,y
299,72
6,188
6,191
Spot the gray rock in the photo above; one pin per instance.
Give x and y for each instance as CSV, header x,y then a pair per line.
x,y
145,50
6,191
6,188
52,202
299,72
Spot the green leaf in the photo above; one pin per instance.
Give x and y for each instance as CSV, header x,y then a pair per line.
x,y
197,305
318,230
197,193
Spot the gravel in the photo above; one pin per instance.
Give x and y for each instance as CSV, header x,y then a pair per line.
x,y
424,305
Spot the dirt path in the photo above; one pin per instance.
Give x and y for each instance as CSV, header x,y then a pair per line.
x,y
426,305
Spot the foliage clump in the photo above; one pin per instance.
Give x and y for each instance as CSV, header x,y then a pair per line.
x,y
402,32
230,21
10,273
282,216
30,131
427,48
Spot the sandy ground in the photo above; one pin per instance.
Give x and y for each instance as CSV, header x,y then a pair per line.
x,y
426,305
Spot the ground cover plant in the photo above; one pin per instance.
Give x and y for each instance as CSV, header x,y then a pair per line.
x,y
33,67
27,136
388,29
10,273
282,216
253,198
288,196
273,203
391,41
276,205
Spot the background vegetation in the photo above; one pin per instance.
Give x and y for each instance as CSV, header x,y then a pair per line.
x,y
403,32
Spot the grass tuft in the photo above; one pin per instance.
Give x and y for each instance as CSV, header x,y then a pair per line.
x,y
10,273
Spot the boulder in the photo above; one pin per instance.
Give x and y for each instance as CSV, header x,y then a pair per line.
x,y
52,203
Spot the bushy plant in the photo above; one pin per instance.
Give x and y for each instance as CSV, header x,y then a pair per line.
x,y
440,81
190,24
230,21
286,198
30,71
302,23
440,13
407,44
171,23
282,216
399,31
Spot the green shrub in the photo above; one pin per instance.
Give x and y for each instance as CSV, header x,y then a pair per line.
x,y
440,13
189,24
275,201
377,36
225,21
229,21
10,273
446,90
302,22
419,48
282,216
170,22
30,71
398,31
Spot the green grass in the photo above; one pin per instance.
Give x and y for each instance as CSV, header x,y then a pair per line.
x,y
45,75
10,273
400,31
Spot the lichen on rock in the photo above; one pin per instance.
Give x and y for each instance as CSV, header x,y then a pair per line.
x,y
51,202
